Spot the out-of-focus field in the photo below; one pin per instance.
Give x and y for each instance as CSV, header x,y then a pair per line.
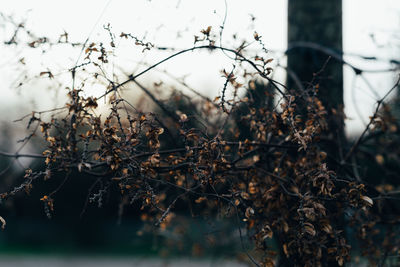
x,y
32,261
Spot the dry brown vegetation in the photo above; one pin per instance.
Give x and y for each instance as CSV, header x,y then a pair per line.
x,y
264,158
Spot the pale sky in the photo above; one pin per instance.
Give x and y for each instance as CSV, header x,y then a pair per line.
x,y
174,23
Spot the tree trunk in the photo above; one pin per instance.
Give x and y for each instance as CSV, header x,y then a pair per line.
x,y
315,25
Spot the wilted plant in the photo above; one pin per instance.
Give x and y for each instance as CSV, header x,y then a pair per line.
x,y
257,158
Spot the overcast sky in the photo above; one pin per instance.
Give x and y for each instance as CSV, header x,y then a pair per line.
x,y
174,22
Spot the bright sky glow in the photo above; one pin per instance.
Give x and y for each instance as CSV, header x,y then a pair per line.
x,y
173,23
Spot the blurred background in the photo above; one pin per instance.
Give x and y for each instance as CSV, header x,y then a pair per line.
x,y
371,43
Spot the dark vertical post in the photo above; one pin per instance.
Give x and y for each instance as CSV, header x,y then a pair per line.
x,y
314,24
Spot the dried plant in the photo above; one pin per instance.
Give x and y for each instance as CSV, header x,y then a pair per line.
x,y
257,157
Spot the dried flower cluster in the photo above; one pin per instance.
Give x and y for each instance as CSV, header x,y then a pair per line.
x,y
257,158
